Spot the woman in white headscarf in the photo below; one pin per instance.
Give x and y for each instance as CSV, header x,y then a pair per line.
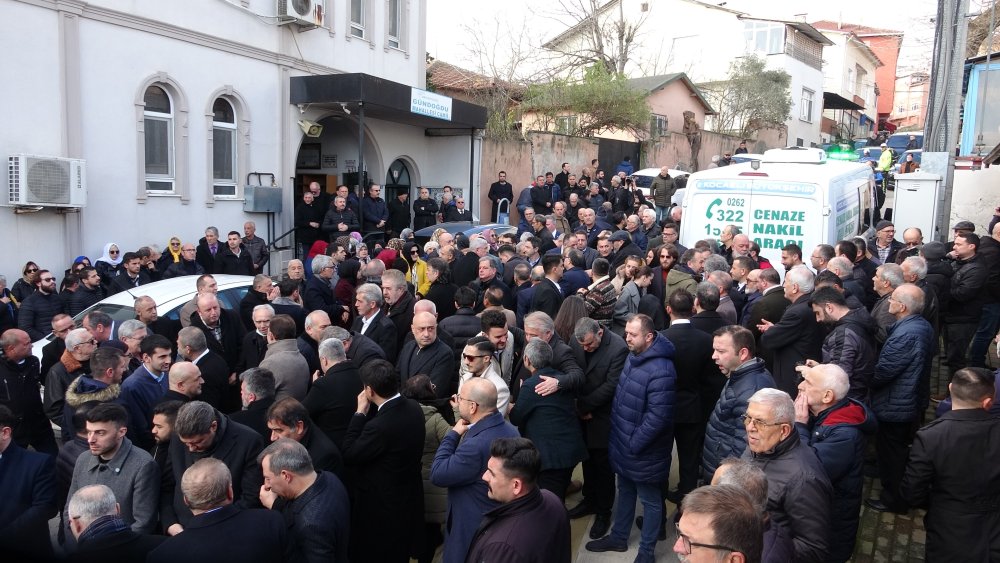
x,y
109,264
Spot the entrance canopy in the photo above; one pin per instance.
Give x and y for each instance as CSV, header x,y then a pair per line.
x,y
386,100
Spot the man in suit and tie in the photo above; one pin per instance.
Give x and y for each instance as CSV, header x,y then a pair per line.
x,y
220,530
548,295
28,482
601,353
461,460
218,389
699,384
223,329
372,320
426,354
383,446
770,305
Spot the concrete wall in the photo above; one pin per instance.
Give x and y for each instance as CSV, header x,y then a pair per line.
x,y
974,197
523,160
674,150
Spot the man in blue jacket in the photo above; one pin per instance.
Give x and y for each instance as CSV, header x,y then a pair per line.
x,y
642,421
461,460
896,391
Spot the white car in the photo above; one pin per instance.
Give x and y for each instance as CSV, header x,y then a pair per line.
x,y
170,295
644,179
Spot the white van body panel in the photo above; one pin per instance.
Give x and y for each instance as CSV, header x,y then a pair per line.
x,y
779,203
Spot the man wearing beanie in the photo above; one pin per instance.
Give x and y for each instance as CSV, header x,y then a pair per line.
x,y
883,245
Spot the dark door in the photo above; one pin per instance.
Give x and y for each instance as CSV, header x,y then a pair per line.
x,y
611,152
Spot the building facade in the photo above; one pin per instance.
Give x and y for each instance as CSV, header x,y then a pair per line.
x,y
849,87
173,104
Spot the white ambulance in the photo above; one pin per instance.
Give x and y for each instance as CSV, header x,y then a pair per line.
x,y
792,195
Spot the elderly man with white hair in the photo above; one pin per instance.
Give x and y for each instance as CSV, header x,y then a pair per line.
x,y
798,490
101,534
796,337
835,427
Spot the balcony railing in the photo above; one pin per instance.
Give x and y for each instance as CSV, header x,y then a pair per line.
x,y
804,56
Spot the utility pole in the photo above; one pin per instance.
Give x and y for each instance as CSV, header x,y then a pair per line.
x,y
944,100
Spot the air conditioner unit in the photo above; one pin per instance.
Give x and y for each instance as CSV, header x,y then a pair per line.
x,y
46,181
302,12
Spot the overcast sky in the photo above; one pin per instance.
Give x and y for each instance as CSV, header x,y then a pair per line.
x,y
448,37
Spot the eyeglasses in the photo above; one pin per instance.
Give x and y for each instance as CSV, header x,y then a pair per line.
x,y
175,244
48,279
471,358
757,423
31,270
461,398
114,252
687,544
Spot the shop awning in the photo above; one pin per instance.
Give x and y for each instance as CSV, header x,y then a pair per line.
x,y
832,100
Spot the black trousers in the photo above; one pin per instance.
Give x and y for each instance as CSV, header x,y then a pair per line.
x,y
555,480
957,337
690,439
598,481
892,451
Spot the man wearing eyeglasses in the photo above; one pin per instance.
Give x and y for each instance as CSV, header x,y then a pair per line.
x,y
37,310
75,361
719,523
798,490
459,212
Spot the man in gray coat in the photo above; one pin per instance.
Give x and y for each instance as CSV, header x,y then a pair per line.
x,y
290,368
126,469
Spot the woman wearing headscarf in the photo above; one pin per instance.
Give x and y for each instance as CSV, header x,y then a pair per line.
x,y
172,255
391,252
348,282
109,265
416,269
318,247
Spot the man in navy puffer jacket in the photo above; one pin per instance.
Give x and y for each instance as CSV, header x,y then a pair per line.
x,y
897,393
639,447
725,436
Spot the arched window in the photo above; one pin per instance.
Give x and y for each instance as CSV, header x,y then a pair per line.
x,y
224,149
158,118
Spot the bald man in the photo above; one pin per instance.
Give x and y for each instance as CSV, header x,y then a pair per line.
x,y
185,383
429,355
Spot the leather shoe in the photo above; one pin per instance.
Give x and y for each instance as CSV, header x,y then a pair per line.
x,y
581,510
662,536
879,506
607,543
602,522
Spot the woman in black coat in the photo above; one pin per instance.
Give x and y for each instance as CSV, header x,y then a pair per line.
x,y
442,291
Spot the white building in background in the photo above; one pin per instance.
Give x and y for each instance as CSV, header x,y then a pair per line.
x,y
849,86
702,39
173,104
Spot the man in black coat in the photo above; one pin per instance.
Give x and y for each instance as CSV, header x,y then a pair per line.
x,y
312,501
202,432
288,418
21,393
88,293
796,337
769,307
466,265
548,295
254,345
500,190
399,304
622,243
260,293
38,309
698,386
28,482
100,532
131,276
383,447
602,355
399,212
257,395
332,397
218,528
209,247
489,277
339,220
223,328
233,258
372,320
429,356
425,210
706,304
540,325
961,523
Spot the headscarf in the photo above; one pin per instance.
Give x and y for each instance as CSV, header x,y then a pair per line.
x,y
175,256
349,271
406,234
356,236
80,259
395,244
317,248
106,257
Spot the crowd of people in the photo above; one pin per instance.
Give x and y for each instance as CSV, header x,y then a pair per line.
x,y
381,403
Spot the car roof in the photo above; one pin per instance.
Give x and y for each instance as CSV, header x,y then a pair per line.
x,y
168,289
656,171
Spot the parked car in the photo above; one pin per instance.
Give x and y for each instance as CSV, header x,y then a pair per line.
x,y
917,153
170,295
873,153
644,178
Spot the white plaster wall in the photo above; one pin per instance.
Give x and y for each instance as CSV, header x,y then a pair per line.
x,y
974,197
802,75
